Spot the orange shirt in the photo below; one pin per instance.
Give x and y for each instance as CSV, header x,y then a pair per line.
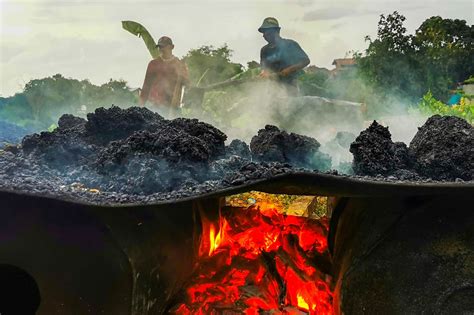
x,y
161,80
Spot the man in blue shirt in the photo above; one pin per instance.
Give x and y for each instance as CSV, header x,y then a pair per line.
x,y
281,58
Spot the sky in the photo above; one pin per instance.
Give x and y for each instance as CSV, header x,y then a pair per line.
x,y
84,39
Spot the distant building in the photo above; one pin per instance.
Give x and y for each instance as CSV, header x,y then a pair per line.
x,y
343,64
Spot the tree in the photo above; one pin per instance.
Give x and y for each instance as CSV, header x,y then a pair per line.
x,y
253,65
209,65
43,101
438,55
390,64
314,82
49,95
446,48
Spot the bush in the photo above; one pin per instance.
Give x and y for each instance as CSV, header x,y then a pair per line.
x,y
43,101
431,106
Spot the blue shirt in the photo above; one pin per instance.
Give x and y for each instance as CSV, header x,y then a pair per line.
x,y
454,99
285,53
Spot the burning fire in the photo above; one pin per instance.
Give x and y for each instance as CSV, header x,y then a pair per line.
x,y
258,260
216,240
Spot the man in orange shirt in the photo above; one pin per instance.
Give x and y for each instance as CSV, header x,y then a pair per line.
x,y
164,80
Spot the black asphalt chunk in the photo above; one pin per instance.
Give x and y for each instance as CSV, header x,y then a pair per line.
x,y
444,148
273,145
376,154
136,156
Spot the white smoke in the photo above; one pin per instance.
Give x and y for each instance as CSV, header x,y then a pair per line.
x,y
247,108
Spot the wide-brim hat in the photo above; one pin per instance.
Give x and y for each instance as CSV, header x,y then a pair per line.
x,y
269,23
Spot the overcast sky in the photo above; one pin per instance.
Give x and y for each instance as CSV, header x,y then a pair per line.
x,y
84,39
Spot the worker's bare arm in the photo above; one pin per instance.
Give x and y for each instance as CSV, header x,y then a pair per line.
x,y
267,74
149,77
294,68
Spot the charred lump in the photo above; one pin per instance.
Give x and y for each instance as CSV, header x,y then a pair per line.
x,y
135,155
65,145
135,152
442,149
105,125
187,141
375,153
239,148
273,145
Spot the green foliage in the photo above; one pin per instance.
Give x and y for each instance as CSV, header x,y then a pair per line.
x,y
470,80
429,105
253,65
43,101
209,65
435,58
52,127
250,73
17,110
389,64
314,83
215,105
223,107
446,48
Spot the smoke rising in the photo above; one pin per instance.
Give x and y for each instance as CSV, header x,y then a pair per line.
x,y
242,110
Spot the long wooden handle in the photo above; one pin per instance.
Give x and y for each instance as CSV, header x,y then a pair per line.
x,y
177,92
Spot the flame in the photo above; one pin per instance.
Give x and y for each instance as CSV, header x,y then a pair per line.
x,y
259,260
216,240
215,235
301,302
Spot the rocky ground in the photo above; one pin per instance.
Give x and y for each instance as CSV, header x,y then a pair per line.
x,y
134,155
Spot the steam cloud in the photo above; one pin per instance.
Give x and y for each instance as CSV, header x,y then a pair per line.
x,y
245,109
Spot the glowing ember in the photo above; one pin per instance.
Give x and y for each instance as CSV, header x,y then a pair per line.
x,y
302,303
259,260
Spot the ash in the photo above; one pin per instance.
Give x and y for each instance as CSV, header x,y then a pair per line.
x,y
136,156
